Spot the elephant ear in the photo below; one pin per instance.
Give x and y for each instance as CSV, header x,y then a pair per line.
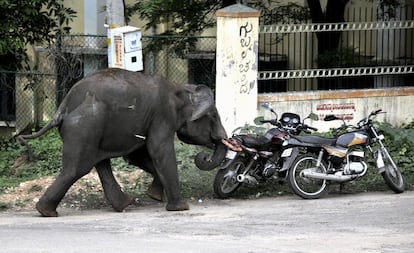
x,y
202,100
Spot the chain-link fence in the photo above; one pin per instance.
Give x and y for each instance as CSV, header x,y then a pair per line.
x,y
29,98
26,98
79,55
188,64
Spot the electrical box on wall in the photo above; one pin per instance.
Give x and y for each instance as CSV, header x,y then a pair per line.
x,y
125,48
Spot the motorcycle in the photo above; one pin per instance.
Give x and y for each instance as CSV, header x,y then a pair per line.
x,y
258,159
341,159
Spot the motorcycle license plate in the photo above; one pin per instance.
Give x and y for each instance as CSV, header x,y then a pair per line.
x,y
231,154
287,152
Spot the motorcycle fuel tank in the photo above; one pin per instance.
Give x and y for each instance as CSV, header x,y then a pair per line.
x,y
352,139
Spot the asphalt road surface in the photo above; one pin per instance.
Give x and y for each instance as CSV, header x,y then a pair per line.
x,y
365,222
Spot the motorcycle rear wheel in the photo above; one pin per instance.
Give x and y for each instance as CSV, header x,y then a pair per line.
x,y
392,174
304,187
225,182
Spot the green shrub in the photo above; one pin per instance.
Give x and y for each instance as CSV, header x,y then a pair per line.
x,y
14,167
195,184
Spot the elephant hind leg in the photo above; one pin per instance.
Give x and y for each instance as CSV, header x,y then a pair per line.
x,y
142,159
113,193
156,191
48,203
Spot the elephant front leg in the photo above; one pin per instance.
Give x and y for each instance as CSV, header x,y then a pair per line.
x,y
160,147
113,193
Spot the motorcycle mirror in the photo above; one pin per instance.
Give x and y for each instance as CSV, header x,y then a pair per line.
x,y
258,120
270,108
267,106
330,118
313,116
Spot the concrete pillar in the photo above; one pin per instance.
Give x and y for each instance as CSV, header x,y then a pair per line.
x,y
115,13
237,65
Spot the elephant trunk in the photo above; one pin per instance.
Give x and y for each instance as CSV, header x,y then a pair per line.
x,y
204,162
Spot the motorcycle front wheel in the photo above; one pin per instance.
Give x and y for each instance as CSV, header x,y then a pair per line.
x,y
392,174
305,187
225,182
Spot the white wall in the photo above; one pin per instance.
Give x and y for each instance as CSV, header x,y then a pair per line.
x,y
353,104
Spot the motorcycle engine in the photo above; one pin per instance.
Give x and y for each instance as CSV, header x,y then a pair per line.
x,y
269,169
355,163
353,168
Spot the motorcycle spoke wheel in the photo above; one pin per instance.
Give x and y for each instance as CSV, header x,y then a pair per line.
x,y
305,187
392,174
225,182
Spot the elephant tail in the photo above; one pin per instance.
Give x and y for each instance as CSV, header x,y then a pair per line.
x,y
56,121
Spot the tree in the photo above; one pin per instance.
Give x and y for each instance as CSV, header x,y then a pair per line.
x,y
328,42
185,18
192,17
26,22
329,52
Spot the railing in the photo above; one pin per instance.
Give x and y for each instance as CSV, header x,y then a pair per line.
x,y
370,54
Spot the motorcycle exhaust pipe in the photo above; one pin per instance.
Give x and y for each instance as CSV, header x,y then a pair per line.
x,y
330,177
240,178
246,179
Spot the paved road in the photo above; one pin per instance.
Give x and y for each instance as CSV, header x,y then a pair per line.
x,y
369,222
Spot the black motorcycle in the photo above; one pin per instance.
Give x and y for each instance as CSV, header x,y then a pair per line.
x,y
340,159
258,159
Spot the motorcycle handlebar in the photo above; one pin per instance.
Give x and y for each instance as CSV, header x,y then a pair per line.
x,y
306,128
376,112
311,128
306,131
365,121
272,121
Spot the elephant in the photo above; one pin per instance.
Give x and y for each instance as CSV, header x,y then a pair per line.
x,y
119,113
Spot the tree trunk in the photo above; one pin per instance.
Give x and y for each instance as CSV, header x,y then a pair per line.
x,y
335,10
328,41
226,3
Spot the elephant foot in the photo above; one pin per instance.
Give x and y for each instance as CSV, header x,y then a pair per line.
x,y
128,201
155,192
181,206
45,210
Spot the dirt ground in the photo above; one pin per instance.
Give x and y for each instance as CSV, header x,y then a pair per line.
x,y
80,195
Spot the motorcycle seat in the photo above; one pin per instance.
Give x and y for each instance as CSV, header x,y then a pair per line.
x,y
316,140
259,143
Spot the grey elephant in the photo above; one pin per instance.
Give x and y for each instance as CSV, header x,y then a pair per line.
x,y
114,113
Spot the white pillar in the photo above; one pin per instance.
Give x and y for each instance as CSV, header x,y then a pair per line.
x,y
237,65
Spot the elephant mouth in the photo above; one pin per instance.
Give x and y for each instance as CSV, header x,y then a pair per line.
x,y
205,161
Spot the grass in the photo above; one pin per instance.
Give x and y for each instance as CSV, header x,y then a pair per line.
x,y
195,184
